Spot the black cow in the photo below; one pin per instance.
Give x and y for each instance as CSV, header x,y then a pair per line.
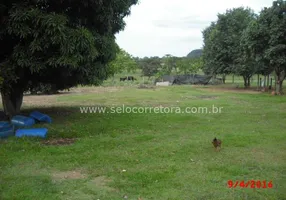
x,y
131,78
128,78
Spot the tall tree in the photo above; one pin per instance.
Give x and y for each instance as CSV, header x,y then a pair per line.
x,y
169,63
276,31
222,41
245,64
150,66
252,59
210,61
123,61
64,43
267,39
188,65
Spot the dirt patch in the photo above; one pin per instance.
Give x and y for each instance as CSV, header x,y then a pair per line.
x,y
207,97
36,100
239,101
94,89
68,175
98,183
101,182
51,100
59,141
230,89
142,86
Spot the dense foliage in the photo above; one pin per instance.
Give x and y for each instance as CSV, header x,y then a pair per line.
x,y
149,66
168,64
62,43
243,43
222,42
123,62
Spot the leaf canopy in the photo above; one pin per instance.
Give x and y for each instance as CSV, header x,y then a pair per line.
x,y
64,43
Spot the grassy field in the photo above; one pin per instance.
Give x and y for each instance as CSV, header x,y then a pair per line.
x,y
149,155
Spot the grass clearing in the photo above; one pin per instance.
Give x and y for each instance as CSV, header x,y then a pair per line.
x,y
149,155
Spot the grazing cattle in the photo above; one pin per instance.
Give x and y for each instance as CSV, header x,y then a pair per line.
x,y
131,78
128,78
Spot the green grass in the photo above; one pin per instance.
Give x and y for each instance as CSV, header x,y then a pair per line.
x,y
166,156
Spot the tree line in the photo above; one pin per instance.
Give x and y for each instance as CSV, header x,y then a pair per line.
x,y
156,66
243,43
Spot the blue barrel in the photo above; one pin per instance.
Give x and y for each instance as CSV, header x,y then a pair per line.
x,y
41,117
4,124
34,132
6,131
22,121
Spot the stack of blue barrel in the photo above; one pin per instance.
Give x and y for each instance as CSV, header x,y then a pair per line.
x,y
19,126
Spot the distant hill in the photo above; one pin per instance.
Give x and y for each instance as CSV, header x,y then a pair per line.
x,y
195,53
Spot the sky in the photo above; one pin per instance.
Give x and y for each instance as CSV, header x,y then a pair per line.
x,y
159,27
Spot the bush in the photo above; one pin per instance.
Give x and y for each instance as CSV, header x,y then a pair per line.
x,y
43,88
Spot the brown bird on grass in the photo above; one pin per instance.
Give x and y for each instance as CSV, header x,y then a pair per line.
x,y
217,143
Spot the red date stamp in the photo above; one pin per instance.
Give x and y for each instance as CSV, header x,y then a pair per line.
x,y
250,184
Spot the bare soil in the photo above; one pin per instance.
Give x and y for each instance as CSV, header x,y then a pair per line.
x,y
231,89
59,141
102,183
207,97
68,175
50,100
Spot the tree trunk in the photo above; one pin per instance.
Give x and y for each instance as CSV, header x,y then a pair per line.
x,y
12,102
267,82
279,89
223,78
245,81
279,82
248,81
213,78
257,81
278,86
275,82
53,90
233,79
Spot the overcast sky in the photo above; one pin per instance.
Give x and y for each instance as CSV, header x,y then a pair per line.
x,y
159,27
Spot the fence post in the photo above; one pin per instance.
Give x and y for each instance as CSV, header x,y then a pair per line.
x,y
267,82
275,81
257,81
